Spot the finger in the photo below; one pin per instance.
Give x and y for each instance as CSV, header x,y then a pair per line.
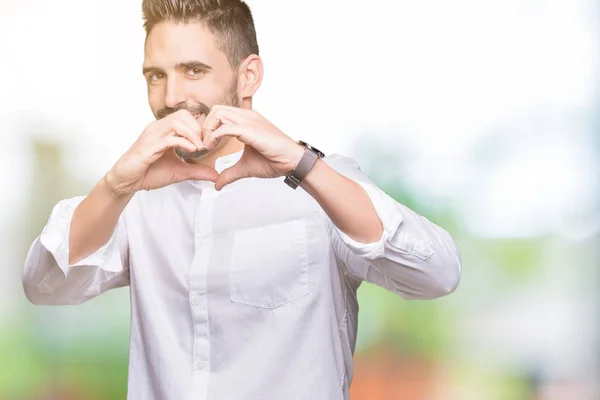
x,y
233,112
208,132
178,127
219,115
225,130
229,113
176,124
193,123
211,123
177,141
204,132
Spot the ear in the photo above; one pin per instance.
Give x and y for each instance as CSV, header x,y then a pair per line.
x,y
250,75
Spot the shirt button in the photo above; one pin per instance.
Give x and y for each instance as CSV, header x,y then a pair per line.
x,y
196,301
202,240
199,365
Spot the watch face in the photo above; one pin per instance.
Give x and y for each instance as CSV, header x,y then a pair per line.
x,y
314,149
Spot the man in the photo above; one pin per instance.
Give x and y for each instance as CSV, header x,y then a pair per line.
x,y
241,287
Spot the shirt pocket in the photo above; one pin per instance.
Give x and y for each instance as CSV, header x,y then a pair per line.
x,y
269,264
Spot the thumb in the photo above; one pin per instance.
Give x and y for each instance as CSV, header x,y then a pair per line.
x,y
230,175
197,172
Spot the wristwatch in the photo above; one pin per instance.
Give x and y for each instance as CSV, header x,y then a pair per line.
x,y
308,160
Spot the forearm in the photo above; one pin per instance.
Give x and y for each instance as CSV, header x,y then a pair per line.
x,y
345,202
94,220
411,256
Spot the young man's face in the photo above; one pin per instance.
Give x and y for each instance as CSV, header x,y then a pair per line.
x,y
184,69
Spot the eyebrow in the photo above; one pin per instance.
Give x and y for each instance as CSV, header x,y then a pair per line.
x,y
181,65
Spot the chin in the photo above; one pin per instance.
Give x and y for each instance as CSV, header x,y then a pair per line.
x,y
198,154
192,155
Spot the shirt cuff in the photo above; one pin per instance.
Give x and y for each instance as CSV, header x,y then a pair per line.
x,y
389,215
55,238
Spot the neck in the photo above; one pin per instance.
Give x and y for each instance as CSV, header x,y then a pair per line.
x,y
231,145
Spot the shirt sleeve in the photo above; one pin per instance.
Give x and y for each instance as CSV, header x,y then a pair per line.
x,y
414,257
49,279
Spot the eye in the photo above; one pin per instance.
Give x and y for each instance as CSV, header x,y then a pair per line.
x,y
155,77
194,72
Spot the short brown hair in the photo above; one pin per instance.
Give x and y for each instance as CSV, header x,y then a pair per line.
x,y
230,21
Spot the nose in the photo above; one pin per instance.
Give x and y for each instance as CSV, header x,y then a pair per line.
x,y
175,92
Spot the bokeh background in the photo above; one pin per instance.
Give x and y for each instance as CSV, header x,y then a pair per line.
x,y
482,115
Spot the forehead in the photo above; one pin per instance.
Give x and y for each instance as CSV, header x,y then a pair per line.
x,y
169,43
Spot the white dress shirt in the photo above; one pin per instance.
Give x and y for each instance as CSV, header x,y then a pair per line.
x,y
248,293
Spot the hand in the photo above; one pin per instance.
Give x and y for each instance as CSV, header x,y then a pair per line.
x,y
148,165
268,152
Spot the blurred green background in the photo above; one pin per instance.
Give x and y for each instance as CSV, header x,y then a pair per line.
x,y
481,116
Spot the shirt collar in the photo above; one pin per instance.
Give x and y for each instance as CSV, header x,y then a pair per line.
x,y
221,163
227,160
